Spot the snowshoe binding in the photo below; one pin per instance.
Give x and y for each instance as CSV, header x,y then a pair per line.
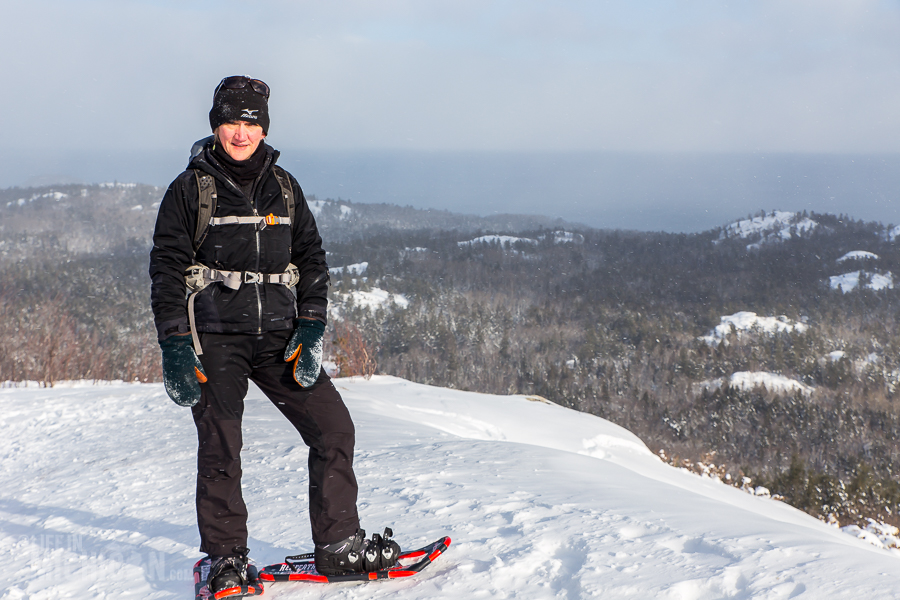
x,y
356,554
229,576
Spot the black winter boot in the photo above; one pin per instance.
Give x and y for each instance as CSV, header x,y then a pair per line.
x,y
228,572
356,554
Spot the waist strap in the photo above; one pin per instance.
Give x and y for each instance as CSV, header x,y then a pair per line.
x,y
199,277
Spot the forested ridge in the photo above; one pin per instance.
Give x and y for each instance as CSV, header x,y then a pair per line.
x,y
625,325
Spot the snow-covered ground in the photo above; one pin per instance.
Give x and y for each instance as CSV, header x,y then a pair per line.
x,y
777,226
55,195
567,237
354,269
749,321
850,281
504,240
858,255
541,502
373,299
317,206
748,380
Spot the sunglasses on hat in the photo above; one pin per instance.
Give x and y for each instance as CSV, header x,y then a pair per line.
x,y
237,82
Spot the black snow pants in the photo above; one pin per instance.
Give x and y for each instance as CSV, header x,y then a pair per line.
x,y
318,413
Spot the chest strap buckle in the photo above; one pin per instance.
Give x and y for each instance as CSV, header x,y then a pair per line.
x,y
250,277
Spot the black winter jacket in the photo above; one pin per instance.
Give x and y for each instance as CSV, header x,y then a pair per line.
x,y
253,308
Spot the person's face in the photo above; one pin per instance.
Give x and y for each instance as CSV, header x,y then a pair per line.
x,y
239,138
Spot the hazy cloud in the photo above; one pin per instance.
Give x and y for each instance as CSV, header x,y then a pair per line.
x,y
785,75
661,114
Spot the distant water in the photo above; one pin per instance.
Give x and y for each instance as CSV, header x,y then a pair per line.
x,y
668,192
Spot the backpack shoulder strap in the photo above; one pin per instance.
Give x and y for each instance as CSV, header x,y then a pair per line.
x,y
206,207
287,192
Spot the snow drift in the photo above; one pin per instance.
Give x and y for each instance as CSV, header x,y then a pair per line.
x,y
541,502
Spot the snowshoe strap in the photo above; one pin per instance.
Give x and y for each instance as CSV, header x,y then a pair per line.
x,y
298,558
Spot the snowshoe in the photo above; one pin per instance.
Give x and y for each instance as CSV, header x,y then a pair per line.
x,y
302,567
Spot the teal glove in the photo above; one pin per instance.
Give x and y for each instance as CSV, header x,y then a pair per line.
x,y
305,349
182,371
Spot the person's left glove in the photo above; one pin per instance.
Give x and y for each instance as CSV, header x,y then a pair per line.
x,y
305,349
182,371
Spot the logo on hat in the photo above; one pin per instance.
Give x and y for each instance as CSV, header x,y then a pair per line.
x,y
248,114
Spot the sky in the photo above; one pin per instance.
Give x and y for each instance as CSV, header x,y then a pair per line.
x,y
102,89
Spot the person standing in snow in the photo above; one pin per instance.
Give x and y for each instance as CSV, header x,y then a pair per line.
x,y
257,312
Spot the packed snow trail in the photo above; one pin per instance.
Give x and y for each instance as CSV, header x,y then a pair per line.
x,y
541,502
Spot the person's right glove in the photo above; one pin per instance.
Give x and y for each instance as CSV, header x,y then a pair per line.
x,y
182,371
305,348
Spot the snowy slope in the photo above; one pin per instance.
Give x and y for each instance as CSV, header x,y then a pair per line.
x,y
503,240
777,226
748,380
850,281
372,299
858,255
750,321
541,502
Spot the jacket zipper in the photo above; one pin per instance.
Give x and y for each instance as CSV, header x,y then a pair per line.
x,y
256,285
255,193
252,201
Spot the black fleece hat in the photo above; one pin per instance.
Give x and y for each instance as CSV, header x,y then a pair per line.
x,y
243,104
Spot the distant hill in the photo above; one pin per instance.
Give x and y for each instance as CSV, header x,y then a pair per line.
x,y
767,348
95,219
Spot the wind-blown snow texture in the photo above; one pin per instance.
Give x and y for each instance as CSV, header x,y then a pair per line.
x,y
541,502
